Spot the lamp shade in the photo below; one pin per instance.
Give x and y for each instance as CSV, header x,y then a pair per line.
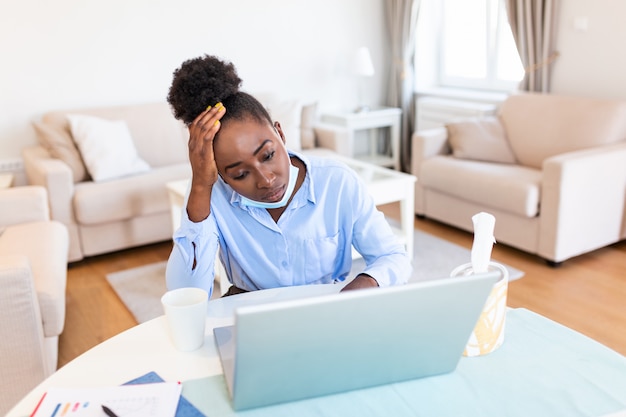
x,y
363,62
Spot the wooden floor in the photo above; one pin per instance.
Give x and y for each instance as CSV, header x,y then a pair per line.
x,y
587,293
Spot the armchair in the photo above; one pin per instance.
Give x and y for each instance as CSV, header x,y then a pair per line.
x,y
33,272
551,169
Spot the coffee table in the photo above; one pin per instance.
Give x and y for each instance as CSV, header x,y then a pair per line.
x,y
385,186
542,368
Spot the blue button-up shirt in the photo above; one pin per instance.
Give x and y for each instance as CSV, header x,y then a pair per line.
x,y
310,244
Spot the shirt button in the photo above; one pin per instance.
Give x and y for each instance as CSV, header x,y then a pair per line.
x,y
284,264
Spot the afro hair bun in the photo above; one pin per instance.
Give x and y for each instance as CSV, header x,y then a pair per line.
x,y
201,82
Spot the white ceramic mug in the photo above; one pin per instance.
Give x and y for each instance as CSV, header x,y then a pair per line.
x,y
186,312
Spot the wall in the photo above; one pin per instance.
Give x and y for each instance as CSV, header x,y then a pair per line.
x,y
74,53
67,54
592,61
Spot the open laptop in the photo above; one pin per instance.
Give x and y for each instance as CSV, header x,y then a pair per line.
x,y
310,347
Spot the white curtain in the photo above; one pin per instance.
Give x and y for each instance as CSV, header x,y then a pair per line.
x,y
402,21
533,23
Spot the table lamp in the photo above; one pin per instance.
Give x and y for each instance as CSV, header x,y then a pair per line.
x,y
363,69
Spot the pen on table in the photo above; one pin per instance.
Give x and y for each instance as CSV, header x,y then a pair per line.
x,y
108,411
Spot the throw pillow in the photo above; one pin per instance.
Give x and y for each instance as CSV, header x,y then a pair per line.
x,y
288,113
106,147
307,134
60,146
482,139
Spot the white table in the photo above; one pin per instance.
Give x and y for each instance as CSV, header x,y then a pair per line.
x,y
375,118
541,369
147,347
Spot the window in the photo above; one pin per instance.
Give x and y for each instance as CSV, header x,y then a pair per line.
x,y
476,46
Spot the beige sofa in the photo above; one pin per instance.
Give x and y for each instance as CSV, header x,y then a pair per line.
x,y
33,272
551,169
106,211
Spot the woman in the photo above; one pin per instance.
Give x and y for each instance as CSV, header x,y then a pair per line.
x,y
277,217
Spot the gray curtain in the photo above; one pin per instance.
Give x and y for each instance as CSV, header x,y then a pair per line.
x,y
402,21
533,23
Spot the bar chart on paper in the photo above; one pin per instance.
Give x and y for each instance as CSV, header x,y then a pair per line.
x,y
146,400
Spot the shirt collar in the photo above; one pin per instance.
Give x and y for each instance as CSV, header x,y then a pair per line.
x,y
307,188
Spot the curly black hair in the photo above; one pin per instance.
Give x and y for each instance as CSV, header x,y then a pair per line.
x,y
205,81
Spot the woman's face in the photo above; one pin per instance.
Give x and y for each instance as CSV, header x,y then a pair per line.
x,y
251,157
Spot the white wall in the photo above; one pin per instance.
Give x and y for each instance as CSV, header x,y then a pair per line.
x,y
67,54
592,62
75,53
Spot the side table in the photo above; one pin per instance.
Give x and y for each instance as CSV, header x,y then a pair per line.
x,y
375,118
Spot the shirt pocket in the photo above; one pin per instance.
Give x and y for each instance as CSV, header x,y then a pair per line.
x,y
321,256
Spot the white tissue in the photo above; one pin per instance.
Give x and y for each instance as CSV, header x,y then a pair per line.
x,y
484,224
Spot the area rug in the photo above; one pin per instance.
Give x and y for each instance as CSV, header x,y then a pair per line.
x,y
141,288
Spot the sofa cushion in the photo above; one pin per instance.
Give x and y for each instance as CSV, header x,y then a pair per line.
x,y
541,125
106,147
289,114
507,187
307,134
125,198
58,142
295,118
482,139
286,112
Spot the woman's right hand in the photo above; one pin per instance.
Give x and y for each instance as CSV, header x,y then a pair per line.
x,y
202,132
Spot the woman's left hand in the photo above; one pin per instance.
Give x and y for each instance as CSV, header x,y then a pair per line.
x,y
361,281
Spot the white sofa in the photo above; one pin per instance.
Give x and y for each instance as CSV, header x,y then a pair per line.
x,y
133,209
33,272
551,169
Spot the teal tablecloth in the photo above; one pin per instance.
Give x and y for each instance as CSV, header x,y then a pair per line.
x,y
542,369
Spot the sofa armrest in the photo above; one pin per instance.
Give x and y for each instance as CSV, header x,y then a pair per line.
x,y
45,245
23,359
336,138
56,176
583,203
426,144
23,205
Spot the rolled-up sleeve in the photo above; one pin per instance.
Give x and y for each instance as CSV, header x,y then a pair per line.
x,y
193,243
385,256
